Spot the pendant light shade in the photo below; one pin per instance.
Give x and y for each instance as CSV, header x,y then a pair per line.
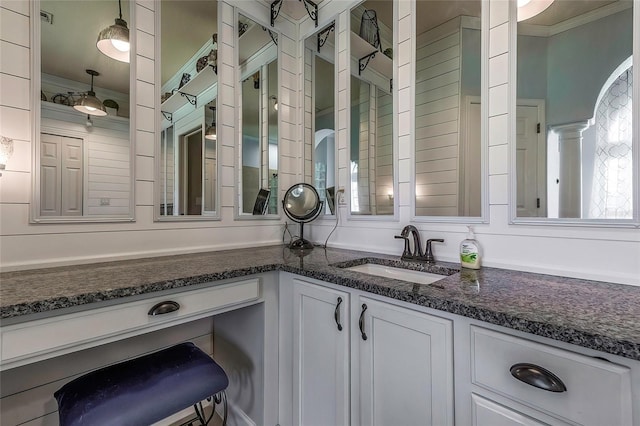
x,y
530,8
113,41
89,104
212,133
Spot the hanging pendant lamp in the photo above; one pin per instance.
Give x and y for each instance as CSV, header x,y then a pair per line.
x,y
211,133
89,104
113,41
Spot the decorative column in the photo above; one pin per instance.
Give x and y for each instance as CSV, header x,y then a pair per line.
x,y
570,145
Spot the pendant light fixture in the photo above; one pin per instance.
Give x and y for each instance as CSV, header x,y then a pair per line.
x,y
89,104
530,8
113,41
211,133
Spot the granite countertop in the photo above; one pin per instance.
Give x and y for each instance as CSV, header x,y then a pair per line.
x,y
596,315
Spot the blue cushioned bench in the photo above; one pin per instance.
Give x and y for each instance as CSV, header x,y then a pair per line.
x,y
144,390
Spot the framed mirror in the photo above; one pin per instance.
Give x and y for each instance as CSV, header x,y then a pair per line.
x,y
449,145
319,115
187,164
371,149
576,130
83,164
258,72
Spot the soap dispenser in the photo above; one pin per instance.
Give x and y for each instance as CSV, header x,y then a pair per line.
x,y
470,251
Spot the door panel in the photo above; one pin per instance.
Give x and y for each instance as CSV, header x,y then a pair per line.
x,y
321,356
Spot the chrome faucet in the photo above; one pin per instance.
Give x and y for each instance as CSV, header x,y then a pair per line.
x,y
416,253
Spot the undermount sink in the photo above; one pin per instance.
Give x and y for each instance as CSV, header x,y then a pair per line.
x,y
397,273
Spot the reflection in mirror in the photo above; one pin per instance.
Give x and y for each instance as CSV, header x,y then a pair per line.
x,y
187,165
258,60
83,155
320,145
371,146
448,143
574,144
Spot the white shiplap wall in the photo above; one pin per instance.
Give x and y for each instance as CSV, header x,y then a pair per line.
x,y
599,253
26,245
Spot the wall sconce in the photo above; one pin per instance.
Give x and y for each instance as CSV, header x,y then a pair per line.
x,y
530,8
390,194
89,104
275,102
6,150
113,41
211,133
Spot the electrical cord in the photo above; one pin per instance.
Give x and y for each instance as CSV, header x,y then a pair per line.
x,y
340,195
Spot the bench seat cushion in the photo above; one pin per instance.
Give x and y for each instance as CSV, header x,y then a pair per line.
x,y
143,390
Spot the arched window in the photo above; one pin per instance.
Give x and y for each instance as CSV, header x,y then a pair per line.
x,y
612,190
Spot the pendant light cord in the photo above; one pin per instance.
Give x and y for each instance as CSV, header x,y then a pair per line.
x,y
120,7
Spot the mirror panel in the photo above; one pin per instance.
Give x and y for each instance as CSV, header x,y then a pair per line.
x,y
320,145
258,64
83,163
372,115
574,117
187,166
448,137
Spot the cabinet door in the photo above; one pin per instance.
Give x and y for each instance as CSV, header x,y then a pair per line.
x,y
320,356
488,413
405,366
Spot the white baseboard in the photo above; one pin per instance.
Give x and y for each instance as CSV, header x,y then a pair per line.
x,y
236,416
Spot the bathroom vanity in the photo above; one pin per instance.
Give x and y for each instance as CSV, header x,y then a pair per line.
x,y
344,346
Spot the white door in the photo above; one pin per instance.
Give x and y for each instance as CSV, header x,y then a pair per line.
x,y
61,175
529,163
320,356
405,366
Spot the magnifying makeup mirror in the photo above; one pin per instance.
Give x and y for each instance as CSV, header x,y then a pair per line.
x,y
301,203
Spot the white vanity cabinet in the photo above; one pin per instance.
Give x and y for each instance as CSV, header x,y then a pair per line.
x,y
404,366
553,385
401,374
320,355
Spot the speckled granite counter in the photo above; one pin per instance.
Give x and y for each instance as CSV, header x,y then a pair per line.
x,y
596,315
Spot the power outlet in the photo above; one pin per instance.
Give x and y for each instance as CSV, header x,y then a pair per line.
x,y
341,200
105,201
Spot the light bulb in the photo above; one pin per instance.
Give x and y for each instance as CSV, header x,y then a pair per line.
x,y
121,45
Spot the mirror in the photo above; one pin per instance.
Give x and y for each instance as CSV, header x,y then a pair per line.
x,y
574,118
83,155
448,136
258,64
372,115
301,203
187,166
319,101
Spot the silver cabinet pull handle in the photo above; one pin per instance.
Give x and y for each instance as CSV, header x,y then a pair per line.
x,y
336,314
538,377
361,322
164,308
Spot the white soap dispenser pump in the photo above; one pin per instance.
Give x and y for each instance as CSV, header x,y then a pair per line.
x,y
470,251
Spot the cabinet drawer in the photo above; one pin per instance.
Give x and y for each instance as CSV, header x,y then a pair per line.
x,y
40,339
597,392
489,413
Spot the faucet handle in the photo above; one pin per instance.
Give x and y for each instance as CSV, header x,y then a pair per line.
x,y
406,254
429,252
